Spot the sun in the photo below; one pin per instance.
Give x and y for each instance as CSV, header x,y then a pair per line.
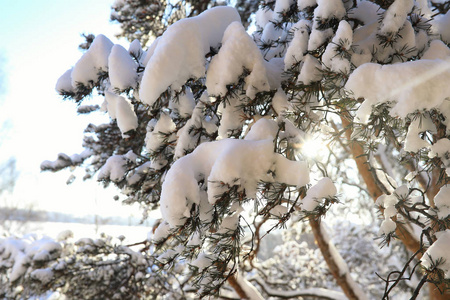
x,y
314,148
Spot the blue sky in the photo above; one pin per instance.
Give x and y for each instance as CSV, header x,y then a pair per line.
x,y
39,42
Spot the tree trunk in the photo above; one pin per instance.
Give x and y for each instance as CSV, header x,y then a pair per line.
x,y
343,278
236,286
403,231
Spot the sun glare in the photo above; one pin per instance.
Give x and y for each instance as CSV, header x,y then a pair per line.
x,y
314,148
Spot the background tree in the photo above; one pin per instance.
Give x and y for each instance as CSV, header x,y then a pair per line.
x,y
213,126
147,19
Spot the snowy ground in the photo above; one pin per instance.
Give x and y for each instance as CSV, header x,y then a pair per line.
x,y
52,229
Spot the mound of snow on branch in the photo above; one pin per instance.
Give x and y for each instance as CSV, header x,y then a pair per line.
x,y
414,85
223,164
229,63
180,52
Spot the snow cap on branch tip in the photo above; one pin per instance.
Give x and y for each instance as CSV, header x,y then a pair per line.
x,y
94,60
442,201
298,45
438,255
413,85
180,52
324,188
121,109
395,16
226,67
122,68
64,83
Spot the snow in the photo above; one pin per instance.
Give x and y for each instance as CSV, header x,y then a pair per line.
x,y
162,131
342,41
341,264
184,105
324,188
114,168
94,60
194,240
150,51
389,212
280,103
441,149
270,33
230,223
135,49
388,202
131,156
437,50
413,142
64,235
387,226
121,109
439,251
208,172
42,275
402,191
318,37
226,67
180,52
328,9
19,267
288,171
262,129
302,4
310,71
366,12
298,45
232,120
64,160
223,164
441,26
122,69
201,262
414,85
274,70
19,254
282,6
279,210
250,290
309,292
395,16
262,17
442,201
405,43
161,232
64,83
167,256
421,7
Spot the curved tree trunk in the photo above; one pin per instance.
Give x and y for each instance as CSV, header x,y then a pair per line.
x,y
403,231
334,261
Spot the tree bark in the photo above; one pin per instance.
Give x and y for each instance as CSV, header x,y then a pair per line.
x,y
403,231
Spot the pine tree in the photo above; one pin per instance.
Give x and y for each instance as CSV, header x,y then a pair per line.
x,y
146,19
212,126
